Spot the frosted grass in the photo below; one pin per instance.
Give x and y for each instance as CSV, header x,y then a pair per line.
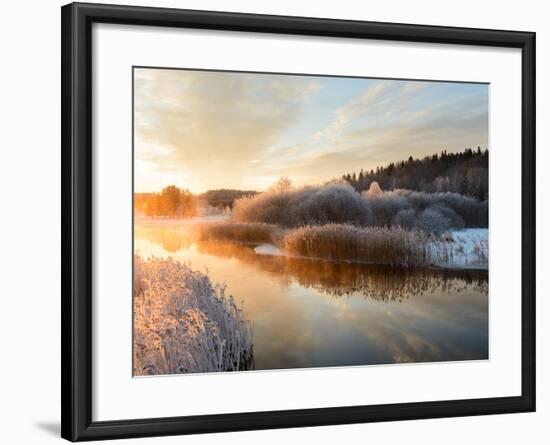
x,y
185,324
375,245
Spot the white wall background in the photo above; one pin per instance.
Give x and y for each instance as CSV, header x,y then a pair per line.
x,y
30,234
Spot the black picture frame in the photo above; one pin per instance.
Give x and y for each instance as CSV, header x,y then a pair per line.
x,y
76,212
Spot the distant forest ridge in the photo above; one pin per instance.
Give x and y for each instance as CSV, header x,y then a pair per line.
x,y
466,172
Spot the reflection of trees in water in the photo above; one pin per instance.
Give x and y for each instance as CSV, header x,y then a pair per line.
x,y
382,283
171,240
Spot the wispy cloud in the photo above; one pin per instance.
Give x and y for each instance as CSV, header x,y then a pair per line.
x,y
212,124
212,129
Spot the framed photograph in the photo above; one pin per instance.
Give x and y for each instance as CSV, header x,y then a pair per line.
x,y
273,222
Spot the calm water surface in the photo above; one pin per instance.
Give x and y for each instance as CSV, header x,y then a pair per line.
x,y
308,313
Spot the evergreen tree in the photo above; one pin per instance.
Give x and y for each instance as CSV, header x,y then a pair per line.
x,y
465,172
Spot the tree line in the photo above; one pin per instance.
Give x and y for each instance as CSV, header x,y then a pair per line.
x,y
224,198
171,202
466,173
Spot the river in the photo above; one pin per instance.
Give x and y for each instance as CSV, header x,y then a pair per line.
x,y
307,313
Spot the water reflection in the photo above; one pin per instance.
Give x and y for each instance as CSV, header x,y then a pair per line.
x,y
171,240
313,313
379,282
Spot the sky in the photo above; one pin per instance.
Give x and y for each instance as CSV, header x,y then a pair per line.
x,y
202,130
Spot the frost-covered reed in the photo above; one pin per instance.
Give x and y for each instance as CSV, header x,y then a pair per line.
x,y
461,249
183,323
343,242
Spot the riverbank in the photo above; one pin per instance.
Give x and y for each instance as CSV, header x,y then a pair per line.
x,y
464,249
457,249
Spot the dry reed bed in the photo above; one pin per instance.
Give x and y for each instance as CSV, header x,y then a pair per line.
x,y
336,242
342,242
183,323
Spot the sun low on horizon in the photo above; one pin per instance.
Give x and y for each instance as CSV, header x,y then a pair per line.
x,y
205,130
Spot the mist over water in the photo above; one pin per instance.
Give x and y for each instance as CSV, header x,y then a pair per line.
x,y
308,313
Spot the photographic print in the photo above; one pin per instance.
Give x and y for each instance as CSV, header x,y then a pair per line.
x,y
300,221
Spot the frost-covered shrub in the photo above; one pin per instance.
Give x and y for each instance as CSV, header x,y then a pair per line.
x,y
183,323
404,218
431,212
384,206
339,203
335,202
268,207
453,220
374,191
474,213
432,220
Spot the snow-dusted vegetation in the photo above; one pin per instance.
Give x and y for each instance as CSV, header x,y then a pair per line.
x,y
343,242
333,203
467,248
234,274
429,212
184,323
334,222
339,203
